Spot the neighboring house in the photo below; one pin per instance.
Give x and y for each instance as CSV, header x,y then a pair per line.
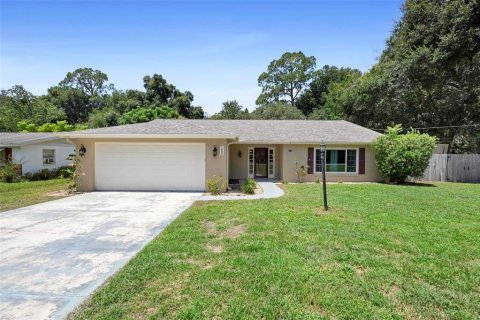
x,y
35,151
183,154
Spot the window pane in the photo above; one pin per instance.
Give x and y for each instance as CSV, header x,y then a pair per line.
x,y
336,161
318,161
351,160
250,161
270,161
48,156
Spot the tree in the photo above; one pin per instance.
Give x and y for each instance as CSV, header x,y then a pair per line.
x,y
315,96
230,110
124,101
75,103
196,112
402,156
182,104
286,77
277,111
141,114
427,75
159,90
59,126
105,117
91,82
80,92
17,104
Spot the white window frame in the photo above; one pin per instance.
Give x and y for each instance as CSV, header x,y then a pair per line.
x,y
54,157
330,172
251,173
272,168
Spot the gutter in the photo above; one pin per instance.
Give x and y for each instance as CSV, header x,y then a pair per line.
x,y
303,142
144,136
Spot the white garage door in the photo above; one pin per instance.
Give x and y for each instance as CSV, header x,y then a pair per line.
x,y
150,166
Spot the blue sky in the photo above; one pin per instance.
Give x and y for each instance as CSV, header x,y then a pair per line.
x,y
215,49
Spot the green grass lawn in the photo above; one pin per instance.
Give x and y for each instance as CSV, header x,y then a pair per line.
x,y
21,194
382,252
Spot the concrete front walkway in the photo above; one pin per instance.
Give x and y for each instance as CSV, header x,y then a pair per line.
x,y
53,255
270,190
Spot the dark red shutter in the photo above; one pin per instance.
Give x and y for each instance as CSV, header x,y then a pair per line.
x,y
361,161
8,154
310,161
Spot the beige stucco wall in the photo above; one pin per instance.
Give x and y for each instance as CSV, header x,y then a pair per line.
x,y
292,153
213,165
238,168
285,157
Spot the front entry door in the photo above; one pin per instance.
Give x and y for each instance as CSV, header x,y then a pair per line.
x,y
261,162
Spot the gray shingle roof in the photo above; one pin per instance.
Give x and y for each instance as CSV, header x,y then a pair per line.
x,y
12,139
279,131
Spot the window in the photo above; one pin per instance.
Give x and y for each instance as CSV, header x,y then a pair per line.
x,y
271,162
250,162
48,156
341,160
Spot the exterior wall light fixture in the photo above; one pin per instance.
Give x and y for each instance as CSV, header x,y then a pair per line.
x,y
82,150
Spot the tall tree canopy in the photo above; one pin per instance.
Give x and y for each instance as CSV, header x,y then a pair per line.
x,y
286,78
158,90
74,102
429,73
18,104
90,82
80,92
231,109
315,96
277,111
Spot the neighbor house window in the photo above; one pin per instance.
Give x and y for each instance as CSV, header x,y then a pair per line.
x,y
341,160
48,156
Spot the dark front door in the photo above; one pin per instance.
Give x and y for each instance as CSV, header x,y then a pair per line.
x,y
261,162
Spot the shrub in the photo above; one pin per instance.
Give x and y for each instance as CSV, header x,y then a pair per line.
x,y
249,186
402,156
72,174
9,172
216,184
46,174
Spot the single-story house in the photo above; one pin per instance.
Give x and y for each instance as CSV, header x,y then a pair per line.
x,y
35,151
174,155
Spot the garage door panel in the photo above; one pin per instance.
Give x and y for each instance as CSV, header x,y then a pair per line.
x,y
150,166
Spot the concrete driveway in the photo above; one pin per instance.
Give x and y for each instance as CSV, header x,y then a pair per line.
x,y
54,254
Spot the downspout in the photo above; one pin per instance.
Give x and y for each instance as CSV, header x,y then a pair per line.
x,y
228,159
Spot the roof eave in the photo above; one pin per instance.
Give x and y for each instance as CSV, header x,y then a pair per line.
x,y
29,142
144,136
303,142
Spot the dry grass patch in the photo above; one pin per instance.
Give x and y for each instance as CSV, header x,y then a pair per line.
x,y
215,248
231,232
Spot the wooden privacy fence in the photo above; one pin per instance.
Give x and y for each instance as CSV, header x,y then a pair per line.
x,y
454,168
